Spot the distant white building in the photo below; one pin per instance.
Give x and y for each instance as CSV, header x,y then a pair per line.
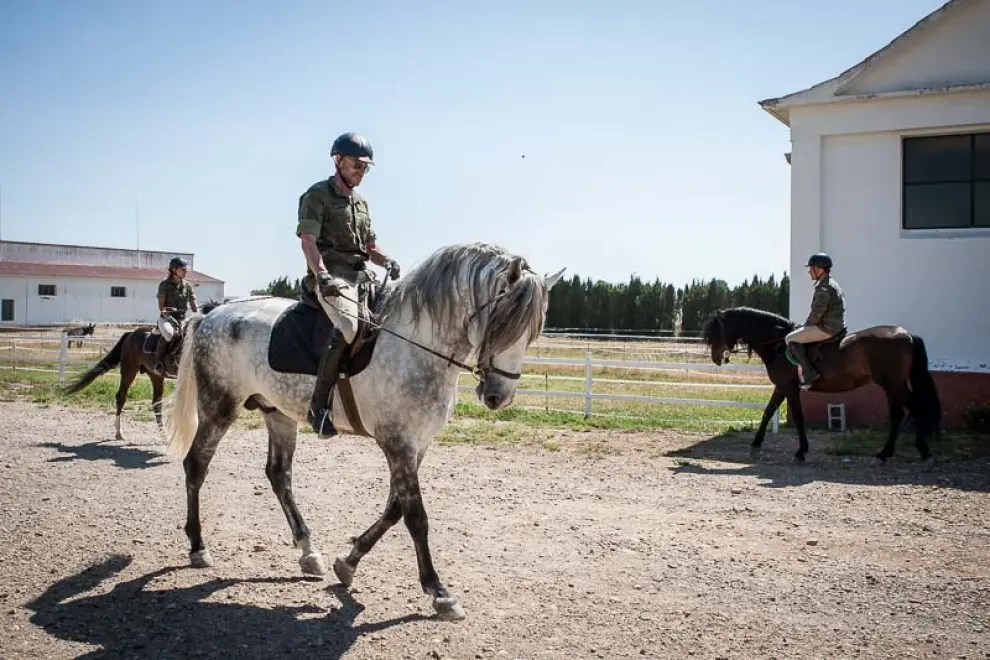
x,y
890,174
48,284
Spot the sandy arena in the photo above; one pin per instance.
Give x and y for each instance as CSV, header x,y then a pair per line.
x,y
607,548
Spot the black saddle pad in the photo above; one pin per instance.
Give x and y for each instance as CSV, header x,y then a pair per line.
x,y
151,343
299,336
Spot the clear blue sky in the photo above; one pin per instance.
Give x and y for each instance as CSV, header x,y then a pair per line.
x,y
645,148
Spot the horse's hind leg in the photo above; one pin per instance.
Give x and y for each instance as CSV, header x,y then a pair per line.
x,y
896,400
127,375
281,447
345,567
404,465
212,425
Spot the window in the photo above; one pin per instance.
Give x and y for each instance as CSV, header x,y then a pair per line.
x,y
118,292
946,181
46,289
6,310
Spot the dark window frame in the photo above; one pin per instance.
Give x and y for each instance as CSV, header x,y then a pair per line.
x,y
7,309
972,181
118,291
54,289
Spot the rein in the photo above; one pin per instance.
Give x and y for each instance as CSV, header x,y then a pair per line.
x,y
477,371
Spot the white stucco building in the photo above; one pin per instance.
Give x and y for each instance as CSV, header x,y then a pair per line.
x,y
890,174
47,284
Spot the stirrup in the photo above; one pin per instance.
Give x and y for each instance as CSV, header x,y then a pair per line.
x,y
321,423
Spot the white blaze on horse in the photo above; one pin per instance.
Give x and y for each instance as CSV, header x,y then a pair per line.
x,y
465,303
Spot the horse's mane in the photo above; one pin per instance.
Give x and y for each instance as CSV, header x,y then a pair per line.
x,y
754,324
457,281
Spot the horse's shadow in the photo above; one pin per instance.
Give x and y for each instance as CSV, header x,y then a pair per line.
x,y
127,458
131,621
961,463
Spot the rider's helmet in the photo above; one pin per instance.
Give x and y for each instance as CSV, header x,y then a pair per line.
x,y
353,144
178,262
820,259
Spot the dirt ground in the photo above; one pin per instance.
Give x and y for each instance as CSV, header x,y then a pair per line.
x,y
608,547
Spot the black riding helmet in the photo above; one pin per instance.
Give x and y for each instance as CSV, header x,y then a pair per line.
x,y
820,259
353,144
178,262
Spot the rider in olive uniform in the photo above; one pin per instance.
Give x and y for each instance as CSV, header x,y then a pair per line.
x,y
826,319
334,228
176,293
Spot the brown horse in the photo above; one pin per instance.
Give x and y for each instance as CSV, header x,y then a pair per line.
x,y
887,355
135,353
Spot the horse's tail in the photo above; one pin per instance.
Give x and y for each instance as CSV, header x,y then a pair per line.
x,y
109,361
925,403
183,420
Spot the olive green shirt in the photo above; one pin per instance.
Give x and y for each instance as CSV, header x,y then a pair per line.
x,y
341,224
828,306
178,294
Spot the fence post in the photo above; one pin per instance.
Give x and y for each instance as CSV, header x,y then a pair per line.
x,y
587,384
775,422
63,358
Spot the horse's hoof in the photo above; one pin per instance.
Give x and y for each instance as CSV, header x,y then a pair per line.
x,y
799,459
878,462
343,571
118,436
928,463
312,564
448,609
755,452
201,559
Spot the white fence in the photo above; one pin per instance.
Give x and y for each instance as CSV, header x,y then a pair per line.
x,y
61,358
589,395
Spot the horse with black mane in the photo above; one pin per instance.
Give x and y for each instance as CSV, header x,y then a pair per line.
x,y
888,355
135,353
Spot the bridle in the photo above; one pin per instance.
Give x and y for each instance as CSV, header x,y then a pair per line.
x,y
726,350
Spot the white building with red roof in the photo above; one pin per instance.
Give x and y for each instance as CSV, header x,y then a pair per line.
x,y
48,284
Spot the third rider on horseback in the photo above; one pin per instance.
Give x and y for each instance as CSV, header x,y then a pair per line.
x,y
827,317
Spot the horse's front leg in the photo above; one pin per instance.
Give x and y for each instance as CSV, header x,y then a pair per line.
x,y
797,414
405,480
157,390
278,469
776,398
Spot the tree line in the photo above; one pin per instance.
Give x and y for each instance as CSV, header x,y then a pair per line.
x,y
656,307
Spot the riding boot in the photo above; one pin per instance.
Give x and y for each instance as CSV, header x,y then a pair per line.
x,y
808,372
320,415
158,367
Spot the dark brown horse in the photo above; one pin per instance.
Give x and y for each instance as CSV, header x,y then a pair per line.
x,y
887,355
79,332
135,353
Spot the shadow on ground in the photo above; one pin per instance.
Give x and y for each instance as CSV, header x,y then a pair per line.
x,y
127,458
135,622
962,461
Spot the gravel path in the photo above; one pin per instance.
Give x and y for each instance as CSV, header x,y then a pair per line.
x,y
606,548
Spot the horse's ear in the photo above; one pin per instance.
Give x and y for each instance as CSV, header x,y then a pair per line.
x,y
550,280
515,271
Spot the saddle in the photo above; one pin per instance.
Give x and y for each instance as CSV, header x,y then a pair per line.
x,y
303,331
150,344
814,349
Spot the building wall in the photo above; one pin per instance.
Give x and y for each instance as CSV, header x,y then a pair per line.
x,y
846,200
89,256
89,300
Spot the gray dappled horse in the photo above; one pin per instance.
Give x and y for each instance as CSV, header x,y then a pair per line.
x,y
465,302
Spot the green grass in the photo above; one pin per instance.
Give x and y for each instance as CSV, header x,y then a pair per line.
x,y
867,442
